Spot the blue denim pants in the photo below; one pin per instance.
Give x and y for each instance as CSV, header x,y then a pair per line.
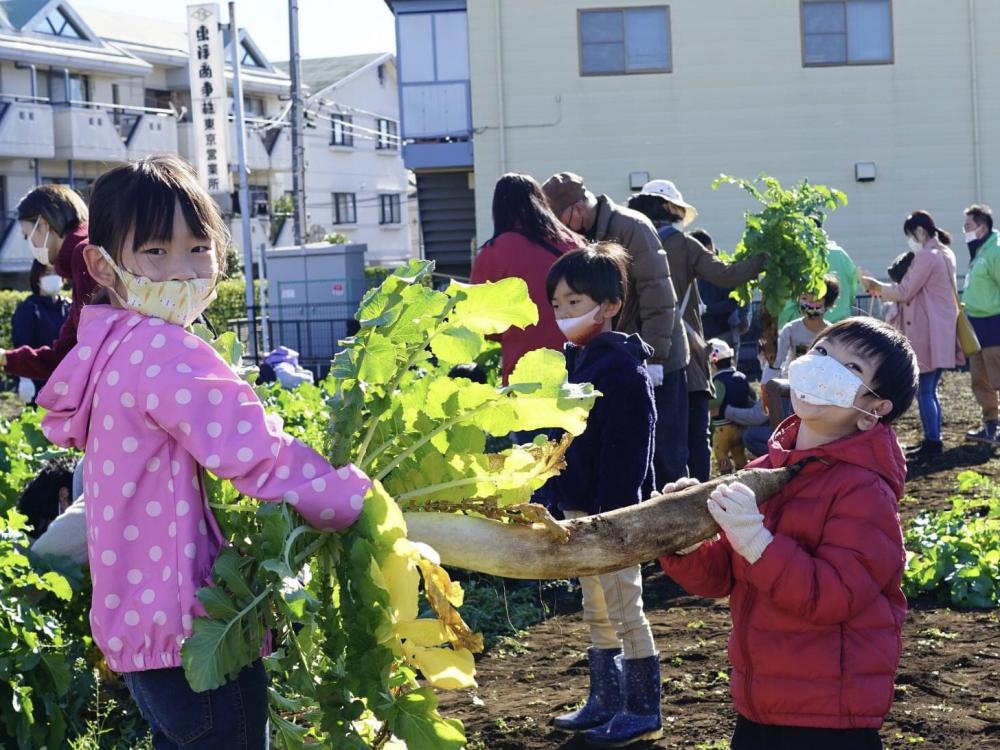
x,y
671,442
233,716
928,404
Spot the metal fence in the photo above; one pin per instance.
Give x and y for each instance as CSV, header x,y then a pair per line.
x,y
316,330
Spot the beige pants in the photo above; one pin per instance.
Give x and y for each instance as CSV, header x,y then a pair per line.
x,y
727,447
985,370
612,607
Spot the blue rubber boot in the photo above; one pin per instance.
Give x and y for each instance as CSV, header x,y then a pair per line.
x,y
605,696
639,717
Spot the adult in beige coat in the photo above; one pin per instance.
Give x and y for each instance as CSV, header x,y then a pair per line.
x,y
650,309
664,205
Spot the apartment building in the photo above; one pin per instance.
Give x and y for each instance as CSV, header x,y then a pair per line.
x,y
356,184
888,100
436,125
83,88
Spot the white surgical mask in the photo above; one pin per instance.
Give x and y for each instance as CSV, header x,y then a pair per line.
x,y
821,380
176,301
50,284
914,245
40,252
581,329
971,236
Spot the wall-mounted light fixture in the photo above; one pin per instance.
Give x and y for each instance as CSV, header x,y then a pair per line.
x,y
864,171
637,179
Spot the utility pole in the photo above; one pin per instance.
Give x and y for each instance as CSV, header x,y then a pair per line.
x,y
298,152
241,152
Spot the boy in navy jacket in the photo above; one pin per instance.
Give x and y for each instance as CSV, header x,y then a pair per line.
x,y
606,468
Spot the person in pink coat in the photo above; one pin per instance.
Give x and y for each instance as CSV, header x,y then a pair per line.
x,y
925,310
152,405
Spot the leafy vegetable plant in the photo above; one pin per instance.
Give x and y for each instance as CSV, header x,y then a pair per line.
x,y
786,231
955,554
354,663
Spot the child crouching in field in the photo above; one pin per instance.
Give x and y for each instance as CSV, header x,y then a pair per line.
x,y
606,467
731,389
151,404
814,581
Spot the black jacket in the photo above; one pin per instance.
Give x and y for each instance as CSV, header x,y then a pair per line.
x,y
608,464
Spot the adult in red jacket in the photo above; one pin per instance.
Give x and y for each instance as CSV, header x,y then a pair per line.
x,y
817,618
527,239
53,219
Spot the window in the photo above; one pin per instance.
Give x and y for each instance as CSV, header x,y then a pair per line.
x,y
342,133
388,135
156,98
388,209
254,106
846,32
622,41
54,86
57,23
249,59
433,46
344,209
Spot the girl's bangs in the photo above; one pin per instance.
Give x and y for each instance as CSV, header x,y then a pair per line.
x,y
152,214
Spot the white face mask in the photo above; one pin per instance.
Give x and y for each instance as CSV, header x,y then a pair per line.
x,y
914,245
971,236
50,284
821,380
176,301
580,329
40,252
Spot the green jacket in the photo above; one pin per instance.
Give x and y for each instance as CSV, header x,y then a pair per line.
x,y
982,291
846,272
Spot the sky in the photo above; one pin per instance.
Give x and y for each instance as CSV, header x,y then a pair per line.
x,y
327,28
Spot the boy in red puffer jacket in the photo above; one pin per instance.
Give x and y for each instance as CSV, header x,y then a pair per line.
x,y
814,580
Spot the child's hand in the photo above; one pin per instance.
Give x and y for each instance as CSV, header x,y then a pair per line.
x,y
680,484
734,508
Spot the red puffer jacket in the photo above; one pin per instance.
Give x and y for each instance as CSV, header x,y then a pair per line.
x,y
817,619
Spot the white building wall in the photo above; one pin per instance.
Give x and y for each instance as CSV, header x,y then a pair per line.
x,y
739,101
360,169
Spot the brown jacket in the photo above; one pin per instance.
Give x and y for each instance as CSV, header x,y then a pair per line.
x,y
651,307
689,260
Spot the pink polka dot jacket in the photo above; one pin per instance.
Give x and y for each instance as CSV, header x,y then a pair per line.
x,y
151,404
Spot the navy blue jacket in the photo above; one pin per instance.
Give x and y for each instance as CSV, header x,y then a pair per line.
x,y
718,307
37,320
607,465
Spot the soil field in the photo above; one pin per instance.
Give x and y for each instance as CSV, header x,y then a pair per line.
x,y
947,687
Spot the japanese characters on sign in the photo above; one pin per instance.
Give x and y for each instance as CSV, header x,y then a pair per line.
x,y
209,104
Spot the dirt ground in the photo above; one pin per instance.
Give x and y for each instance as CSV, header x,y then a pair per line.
x,y
947,687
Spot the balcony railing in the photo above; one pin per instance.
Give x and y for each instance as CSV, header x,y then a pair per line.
x,y
26,127
98,131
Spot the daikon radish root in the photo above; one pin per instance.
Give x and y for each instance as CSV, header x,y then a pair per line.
x,y
597,544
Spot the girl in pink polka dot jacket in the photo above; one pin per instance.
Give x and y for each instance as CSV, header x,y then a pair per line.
x,y
151,404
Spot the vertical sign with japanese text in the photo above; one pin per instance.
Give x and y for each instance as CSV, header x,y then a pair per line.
x,y
209,104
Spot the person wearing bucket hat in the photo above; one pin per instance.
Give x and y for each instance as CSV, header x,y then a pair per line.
x,y
650,308
664,205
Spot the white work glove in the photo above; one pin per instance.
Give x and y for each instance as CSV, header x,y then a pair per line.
x,y
26,390
655,374
734,508
680,484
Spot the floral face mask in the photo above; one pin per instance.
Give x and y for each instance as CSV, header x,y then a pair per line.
x,y
822,380
176,301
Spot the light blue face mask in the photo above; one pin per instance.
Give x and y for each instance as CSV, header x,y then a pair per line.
x,y
821,380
